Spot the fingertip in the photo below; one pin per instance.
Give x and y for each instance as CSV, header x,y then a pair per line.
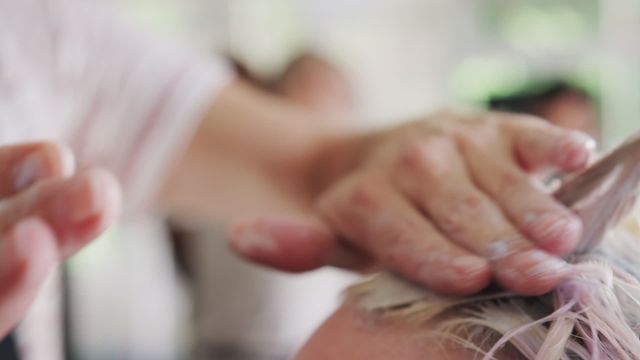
x,y
247,240
472,275
566,240
65,159
464,275
574,151
532,272
90,203
108,195
95,193
287,244
43,161
541,145
554,232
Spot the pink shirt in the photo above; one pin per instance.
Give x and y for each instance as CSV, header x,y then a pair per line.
x,y
70,70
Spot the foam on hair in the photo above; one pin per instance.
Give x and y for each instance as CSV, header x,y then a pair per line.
x,y
594,314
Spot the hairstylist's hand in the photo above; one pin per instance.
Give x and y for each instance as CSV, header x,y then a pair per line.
x,y
448,201
46,215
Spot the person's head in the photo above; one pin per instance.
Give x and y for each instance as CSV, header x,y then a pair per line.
x,y
309,81
559,103
595,314
317,84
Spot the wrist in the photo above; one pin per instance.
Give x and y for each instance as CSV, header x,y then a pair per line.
x,y
335,156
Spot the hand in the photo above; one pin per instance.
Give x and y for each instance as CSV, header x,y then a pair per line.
x,y
449,201
46,215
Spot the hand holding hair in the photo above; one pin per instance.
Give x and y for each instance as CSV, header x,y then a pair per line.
x,y
448,201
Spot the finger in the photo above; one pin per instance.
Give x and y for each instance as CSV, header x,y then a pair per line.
x,y
375,218
292,244
27,253
530,272
536,214
434,176
77,209
539,145
26,164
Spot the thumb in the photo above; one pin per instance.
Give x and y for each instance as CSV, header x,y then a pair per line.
x,y
292,243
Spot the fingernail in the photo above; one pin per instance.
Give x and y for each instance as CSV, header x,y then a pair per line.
x,y
67,159
556,233
249,240
574,152
506,273
31,168
469,264
546,265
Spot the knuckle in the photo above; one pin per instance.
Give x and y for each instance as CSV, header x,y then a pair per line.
x,y
395,237
458,212
478,135
427,158
510,184
469,205
511,120
412,155
332,201
324,204
484,119
363,193
472,139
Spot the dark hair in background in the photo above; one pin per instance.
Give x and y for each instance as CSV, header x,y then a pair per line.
x,y
274,82
243,72
533,98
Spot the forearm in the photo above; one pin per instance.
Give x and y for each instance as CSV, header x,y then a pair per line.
x,y
252,153
254,126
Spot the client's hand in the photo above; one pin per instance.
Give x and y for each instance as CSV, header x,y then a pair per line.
x,y
448,201
46,215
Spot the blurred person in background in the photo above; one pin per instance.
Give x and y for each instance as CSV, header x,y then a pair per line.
x,y
558,102
170,126
308,80
317,84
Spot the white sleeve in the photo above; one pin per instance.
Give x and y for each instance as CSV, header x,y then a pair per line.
x,y
126,100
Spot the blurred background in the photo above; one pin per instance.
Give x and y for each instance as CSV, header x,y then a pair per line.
x,y
133,298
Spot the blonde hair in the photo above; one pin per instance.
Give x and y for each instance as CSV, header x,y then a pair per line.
x,y
594,314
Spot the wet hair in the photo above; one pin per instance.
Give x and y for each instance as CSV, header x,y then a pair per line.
x,y
594,314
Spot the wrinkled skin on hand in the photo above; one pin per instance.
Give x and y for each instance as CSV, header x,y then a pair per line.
x,y
450,201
